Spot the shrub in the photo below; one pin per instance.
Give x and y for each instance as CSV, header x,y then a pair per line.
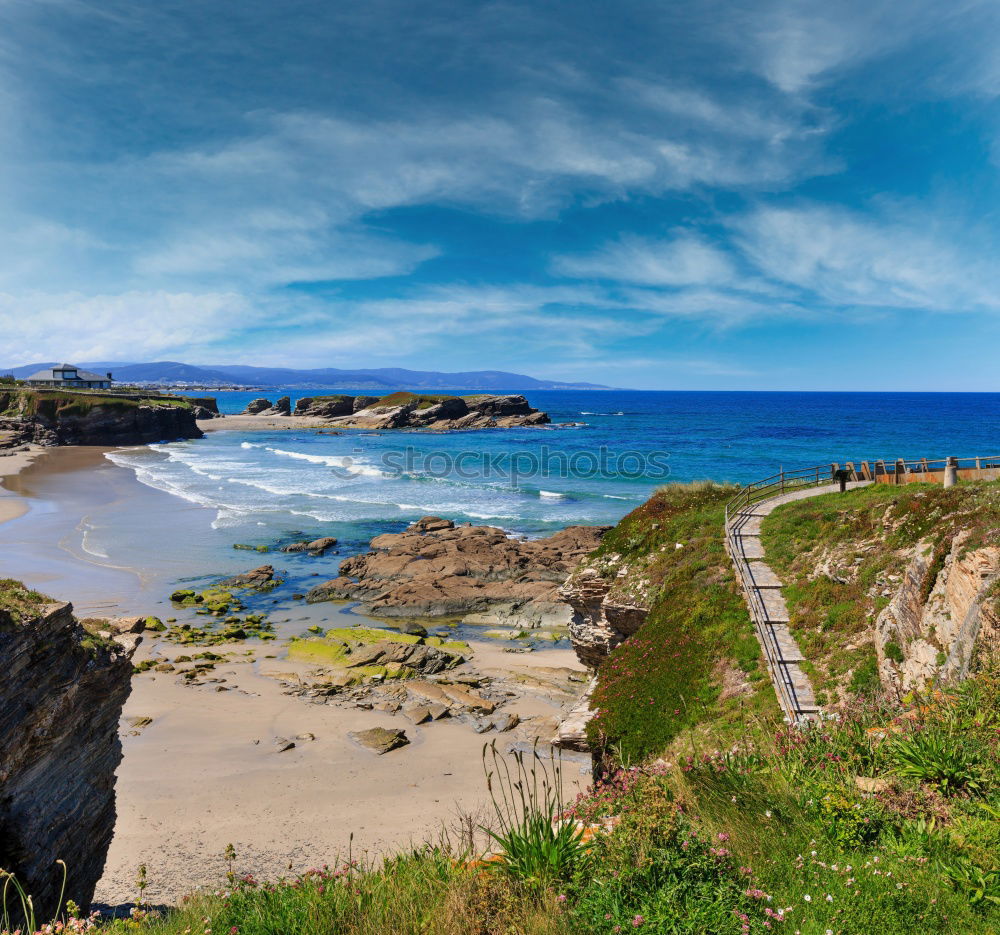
x,y
939,758
537,846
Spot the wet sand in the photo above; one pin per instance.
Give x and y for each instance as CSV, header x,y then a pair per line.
x,y
11,464
205,773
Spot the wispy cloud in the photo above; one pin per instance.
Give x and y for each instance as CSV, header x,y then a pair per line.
x,y
508,181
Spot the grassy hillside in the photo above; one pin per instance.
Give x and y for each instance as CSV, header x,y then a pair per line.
x,y
696,659
842,556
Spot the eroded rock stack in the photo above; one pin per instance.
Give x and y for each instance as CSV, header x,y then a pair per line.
x,y
408,410
61,698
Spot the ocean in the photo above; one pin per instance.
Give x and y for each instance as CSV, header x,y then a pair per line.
x,y
260,488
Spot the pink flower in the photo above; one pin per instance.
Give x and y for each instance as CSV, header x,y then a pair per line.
x,y
637,921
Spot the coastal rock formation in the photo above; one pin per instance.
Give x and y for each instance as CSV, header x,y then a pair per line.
x,y
408,410
931,632
50,418
435,568
315,547
204,407
607,607
325,407
61,697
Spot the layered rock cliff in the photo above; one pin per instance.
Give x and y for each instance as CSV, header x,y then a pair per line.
x,y
610,602
61,696
410,410
64,418
939,617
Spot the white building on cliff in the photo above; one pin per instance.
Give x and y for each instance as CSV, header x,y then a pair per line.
x,y
70,377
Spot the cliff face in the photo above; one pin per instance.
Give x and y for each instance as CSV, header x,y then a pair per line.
x,y
609,604
61,697
932,627
64,418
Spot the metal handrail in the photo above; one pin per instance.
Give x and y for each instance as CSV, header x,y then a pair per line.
x,y
785,687
738,514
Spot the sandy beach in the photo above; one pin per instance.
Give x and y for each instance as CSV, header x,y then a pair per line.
x,y
205,771
11,464
244,423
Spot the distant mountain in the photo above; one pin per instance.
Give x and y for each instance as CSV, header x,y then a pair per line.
x,y
169,372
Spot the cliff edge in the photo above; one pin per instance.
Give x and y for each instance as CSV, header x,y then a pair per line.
x,y
59,417
61,698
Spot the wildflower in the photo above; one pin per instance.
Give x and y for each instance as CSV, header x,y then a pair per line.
x,y
637,921
808,898
561,897
829,898
722,836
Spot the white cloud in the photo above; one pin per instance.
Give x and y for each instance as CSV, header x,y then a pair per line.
x,y
905,259
686,260
486,324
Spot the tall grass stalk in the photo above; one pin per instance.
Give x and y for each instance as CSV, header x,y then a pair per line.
x,y
537,844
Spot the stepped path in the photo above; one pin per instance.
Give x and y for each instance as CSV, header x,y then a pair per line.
x,y
762,592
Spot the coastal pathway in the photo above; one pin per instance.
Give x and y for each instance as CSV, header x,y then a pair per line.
x,y
762,592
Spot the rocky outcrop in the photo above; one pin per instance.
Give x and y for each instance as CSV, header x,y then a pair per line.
x,y
61,698
325,407
931,630
204,407
607,607
315,547
409,410
260,579
435,568
51,417
256,406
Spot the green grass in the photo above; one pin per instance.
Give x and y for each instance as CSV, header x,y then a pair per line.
x,y
667,678
772,834
423,400
19,603
28,402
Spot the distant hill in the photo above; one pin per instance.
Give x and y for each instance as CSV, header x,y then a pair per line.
x,y
169,372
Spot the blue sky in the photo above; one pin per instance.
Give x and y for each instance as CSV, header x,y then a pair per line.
x,y
734,195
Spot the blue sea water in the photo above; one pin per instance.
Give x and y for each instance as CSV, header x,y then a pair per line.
x,y
264,486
